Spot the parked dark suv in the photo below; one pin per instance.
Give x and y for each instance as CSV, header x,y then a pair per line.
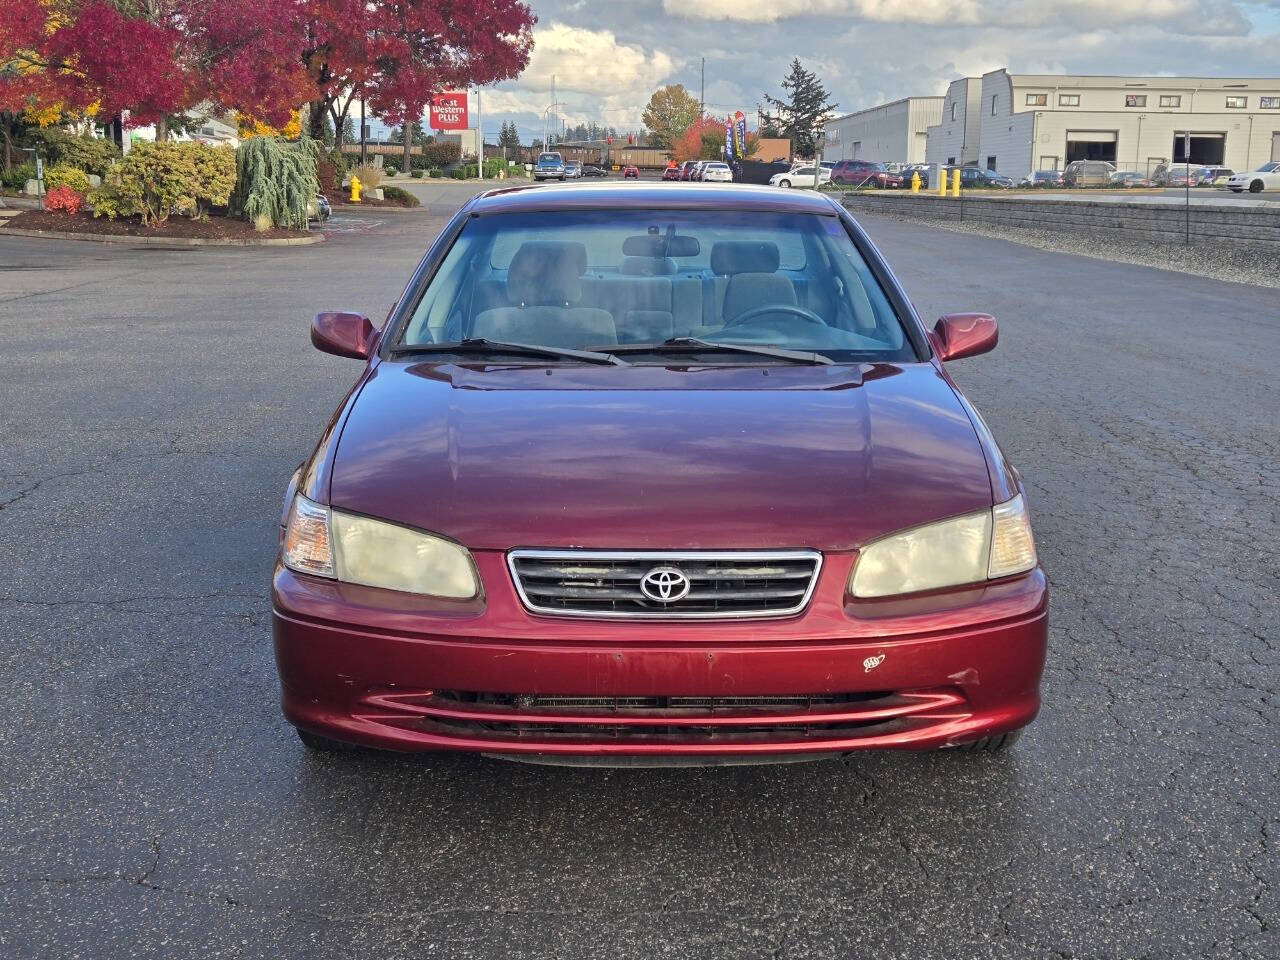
x,y
864,173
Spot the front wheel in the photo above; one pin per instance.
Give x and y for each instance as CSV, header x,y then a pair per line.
x,y
1255,187
784,183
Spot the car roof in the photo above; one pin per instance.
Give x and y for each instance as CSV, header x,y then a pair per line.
x,y
651,196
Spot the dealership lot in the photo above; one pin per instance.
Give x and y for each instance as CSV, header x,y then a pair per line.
x,y
154,803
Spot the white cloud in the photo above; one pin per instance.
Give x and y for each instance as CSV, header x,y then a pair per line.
x,y
592,61
1209,15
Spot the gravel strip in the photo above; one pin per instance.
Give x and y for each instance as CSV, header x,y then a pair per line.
x,y
1201,261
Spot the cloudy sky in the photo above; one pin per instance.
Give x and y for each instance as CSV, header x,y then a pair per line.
x,y
607,56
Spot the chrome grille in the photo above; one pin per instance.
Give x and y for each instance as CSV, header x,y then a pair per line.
x,y
721,585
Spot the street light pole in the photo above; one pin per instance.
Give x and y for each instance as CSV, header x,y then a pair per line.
x,y
479,136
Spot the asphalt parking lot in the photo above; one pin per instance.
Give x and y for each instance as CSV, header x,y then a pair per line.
x,y
153,802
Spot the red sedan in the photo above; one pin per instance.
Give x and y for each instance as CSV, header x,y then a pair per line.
x,y
547,524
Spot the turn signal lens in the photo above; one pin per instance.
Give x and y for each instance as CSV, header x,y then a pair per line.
x,y
307,547
1013,548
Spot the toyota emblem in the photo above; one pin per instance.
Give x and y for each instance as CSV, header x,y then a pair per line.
x,y
665,585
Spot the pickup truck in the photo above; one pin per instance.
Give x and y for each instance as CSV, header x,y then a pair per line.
x,y
550,166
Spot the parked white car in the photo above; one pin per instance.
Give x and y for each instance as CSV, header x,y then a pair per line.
x,y
799,177
717,173
1266,177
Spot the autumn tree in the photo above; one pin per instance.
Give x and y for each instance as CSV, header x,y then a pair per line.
x,y
800,115
156,60
397,53
671,111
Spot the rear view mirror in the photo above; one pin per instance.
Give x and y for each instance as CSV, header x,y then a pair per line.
x,y
653,245
964,335
344,334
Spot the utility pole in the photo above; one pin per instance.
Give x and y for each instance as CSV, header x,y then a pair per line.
x,y
364,132
702,92
479,137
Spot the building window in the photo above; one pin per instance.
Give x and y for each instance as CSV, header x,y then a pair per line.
x,y
1068,99
1269,103
1237,103
991,163
1171,101
1135,99
1037,99
953,109
993,104
951,161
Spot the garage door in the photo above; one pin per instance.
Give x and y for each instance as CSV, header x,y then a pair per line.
x,y
1091,145
1208,149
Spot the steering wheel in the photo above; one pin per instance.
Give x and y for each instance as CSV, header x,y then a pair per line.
x,y
789,308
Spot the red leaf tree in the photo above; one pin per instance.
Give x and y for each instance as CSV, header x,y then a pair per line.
x,y
397,53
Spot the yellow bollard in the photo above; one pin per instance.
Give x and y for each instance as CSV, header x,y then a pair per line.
x,y
915,181
942,180
355,189
955,182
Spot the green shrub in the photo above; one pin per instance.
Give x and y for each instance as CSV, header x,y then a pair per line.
x,y
416,173
435,174
215,176
60,148
275,182
116,197
390,166
163,176
63,176
400,195
458,174
16,177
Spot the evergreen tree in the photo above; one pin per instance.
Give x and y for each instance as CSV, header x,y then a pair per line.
x,y
510,136
801,115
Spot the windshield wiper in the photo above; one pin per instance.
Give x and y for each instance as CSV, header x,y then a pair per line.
x,y
484,345
694,345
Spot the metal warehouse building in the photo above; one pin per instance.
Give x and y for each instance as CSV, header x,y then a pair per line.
x,y
1043,122
890,132
1016,123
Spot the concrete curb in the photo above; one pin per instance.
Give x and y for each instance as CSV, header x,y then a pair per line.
x,y
162,241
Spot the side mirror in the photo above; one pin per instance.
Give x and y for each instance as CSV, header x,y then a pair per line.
x,y
965,335
344,334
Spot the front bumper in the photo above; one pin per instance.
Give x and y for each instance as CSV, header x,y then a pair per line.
x,y
389,670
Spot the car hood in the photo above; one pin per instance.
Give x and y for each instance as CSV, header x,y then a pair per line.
x,y
650,457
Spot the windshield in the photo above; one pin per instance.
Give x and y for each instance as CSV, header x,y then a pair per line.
x,y
549,158
594,279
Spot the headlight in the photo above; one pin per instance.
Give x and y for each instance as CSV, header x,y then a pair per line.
x,y
355,549
979,546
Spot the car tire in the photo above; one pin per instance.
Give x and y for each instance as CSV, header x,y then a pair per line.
x,y
1255,187
321,744
784,183
997,744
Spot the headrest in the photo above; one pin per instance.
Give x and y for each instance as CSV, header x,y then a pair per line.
x,y
747,290
744,256
546,272
648,266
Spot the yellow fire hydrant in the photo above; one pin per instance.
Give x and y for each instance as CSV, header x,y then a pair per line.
x,y
355,189
955,182
915,181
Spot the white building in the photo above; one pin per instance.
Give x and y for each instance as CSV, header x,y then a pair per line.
x,y
954,141
1043,122
891,132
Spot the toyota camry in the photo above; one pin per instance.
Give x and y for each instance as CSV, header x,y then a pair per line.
x,y
631,476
